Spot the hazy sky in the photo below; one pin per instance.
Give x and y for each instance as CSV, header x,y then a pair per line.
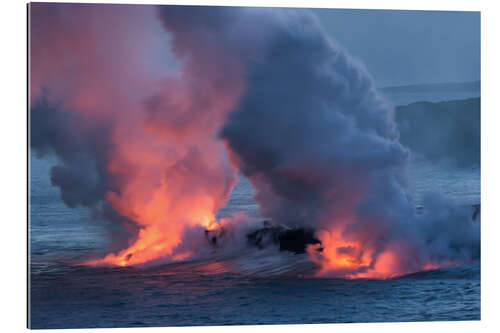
x,y
406,47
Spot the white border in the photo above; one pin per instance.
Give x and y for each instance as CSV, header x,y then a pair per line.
x,y
13,163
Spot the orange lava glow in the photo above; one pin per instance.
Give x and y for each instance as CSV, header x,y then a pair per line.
x,y
353,259
168,171
163,226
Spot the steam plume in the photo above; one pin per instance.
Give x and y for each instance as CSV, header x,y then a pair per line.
x,y
134,138
265,87
321,148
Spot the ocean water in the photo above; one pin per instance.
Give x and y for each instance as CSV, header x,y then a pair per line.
x,y
267,288
188,294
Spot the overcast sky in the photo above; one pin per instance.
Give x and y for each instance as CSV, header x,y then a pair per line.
x,y
409,47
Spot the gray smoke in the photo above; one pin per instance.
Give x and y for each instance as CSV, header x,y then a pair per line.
x,y
319,145
310,131
81,147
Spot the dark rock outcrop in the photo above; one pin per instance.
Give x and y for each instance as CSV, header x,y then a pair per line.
x,y
444,130
294,240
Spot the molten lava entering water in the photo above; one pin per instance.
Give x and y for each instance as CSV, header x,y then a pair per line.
x,y
188,196
142,105
137,130
352,258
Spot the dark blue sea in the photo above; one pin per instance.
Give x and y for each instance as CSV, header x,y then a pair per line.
x,y
266,290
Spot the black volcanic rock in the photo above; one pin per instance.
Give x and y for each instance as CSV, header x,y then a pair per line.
x,y
289,239
477,211
214,236
294,240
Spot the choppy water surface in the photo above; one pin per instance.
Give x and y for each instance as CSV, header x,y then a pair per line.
x,y
262,290
186,295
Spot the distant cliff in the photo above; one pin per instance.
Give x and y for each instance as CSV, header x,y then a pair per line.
x,y
435,92
443,130
435,87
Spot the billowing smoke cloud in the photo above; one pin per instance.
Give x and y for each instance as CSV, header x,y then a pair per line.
x,y
293,111
135,133
321,148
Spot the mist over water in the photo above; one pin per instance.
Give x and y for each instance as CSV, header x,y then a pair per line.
x,y
52,222
279,106
447,294
287,108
